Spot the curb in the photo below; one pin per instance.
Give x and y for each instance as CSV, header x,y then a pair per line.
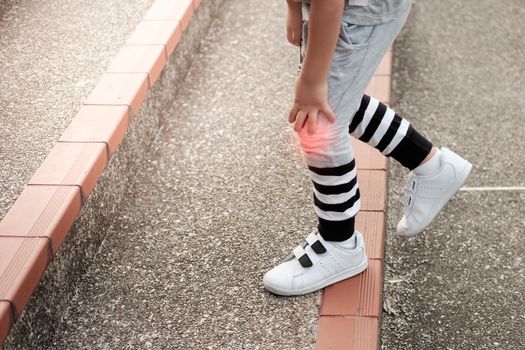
x,y
39,221
350,312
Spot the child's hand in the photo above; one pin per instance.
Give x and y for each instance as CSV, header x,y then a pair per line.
x,y
294,22
310,101
311,88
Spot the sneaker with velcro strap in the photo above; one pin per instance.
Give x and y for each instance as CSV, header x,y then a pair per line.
x,y
425,196
316,264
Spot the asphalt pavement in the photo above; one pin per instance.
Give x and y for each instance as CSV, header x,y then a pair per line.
x,y
459,76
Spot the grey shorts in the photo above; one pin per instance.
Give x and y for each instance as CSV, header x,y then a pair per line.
x,y
359,50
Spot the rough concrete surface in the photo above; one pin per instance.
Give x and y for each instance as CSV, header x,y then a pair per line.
x,y
459,75
52,54
223,197
38,323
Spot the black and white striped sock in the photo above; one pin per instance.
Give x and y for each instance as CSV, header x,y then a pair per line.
x,y
336,200
380,127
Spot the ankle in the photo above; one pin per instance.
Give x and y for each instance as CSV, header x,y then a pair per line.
x,y
430,164
349,243
429,155
344,241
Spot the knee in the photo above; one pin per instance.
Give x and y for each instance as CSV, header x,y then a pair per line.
x,y
328,140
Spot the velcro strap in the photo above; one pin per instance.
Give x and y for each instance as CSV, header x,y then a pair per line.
x,y
302,257
316,245
305,261
298,251
311,238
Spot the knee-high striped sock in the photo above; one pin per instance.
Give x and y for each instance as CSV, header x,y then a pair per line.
x,y
336,200
380,127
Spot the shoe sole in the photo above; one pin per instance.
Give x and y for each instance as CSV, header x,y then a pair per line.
x,y
356,270
451,191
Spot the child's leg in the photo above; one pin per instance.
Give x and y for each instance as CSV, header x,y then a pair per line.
x,y
321,261
331,164
431,184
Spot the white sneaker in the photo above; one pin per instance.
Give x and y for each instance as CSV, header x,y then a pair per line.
x,y
426,195
316,264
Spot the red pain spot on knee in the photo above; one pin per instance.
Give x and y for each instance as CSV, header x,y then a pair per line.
x,y
315,141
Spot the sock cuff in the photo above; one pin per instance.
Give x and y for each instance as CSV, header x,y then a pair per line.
x,y
412,149
336,231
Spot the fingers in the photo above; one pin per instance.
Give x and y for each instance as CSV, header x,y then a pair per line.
x,y
290,38
308,118
299,120
293,113
294,38
300,116
311,122
330,115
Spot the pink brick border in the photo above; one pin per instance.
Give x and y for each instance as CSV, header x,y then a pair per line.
x,y
35,226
